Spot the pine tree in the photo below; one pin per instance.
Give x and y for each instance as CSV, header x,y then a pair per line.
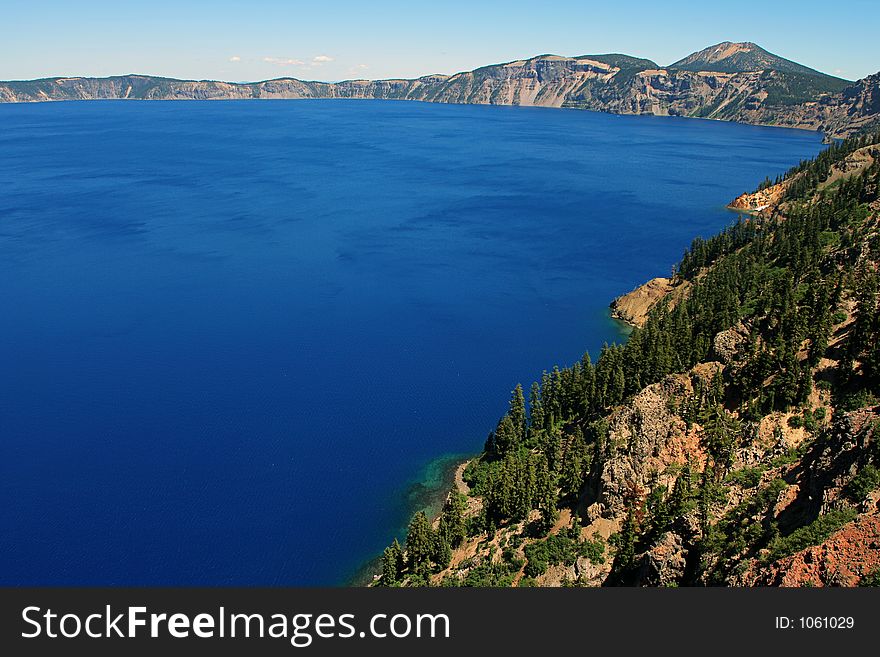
x,y
442,552
588,385
545,494
392,564
523,484
518,413
506,437
419,542
572,470
660,507
625,542
721,433
681,493
536,409
551,448
452,525
618,385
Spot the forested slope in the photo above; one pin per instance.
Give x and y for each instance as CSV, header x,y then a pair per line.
x,y
732,440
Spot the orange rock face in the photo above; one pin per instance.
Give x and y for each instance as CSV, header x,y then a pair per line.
x,y
842,560
761,200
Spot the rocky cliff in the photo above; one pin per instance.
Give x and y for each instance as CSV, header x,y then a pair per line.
x,y
730,81
633,307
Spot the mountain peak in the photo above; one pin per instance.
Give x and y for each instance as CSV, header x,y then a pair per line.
x,y
740,57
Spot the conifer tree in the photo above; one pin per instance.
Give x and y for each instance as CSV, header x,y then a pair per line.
x,y
572,471
452,522
518,413
442,553
721,433
545,494
506,437
625,542
392,564
419,542
536,409
551,448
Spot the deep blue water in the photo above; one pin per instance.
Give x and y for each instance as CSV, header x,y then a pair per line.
x,y
231,332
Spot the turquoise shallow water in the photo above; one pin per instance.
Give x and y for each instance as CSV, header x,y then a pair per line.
x,y
234,333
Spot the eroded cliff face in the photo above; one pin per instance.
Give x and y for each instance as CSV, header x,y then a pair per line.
x,y
633,307
547,81
601,83
857,108
760,200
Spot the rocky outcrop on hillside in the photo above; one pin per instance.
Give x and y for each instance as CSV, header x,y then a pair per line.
x,y
733,82
726,344
823,482
635,306
763,199
646,445
844,559
771,198
547,81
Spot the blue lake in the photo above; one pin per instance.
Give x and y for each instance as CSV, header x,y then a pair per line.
x,y
232,334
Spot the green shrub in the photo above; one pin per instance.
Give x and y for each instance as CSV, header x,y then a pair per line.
x,y
791,455
857,400
808,535
536,554
594,550
871,579
475,474
563,548
867,480
746,477
499,574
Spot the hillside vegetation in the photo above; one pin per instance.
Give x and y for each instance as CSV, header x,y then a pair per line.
x,y
732,440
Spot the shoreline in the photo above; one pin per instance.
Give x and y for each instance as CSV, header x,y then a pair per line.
x,y
436,480
427,492
818,131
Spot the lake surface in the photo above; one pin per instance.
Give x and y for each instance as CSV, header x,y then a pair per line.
x,y
232,334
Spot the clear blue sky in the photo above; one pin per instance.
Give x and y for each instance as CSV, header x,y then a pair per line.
x,y
332,40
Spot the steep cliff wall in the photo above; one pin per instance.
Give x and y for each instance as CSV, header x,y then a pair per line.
x,y
789,95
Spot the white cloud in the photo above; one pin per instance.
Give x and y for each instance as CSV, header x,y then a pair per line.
x,y
235,58
317,60
283,61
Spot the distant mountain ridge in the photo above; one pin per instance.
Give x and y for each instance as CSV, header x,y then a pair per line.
x,y
729,57
729,81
